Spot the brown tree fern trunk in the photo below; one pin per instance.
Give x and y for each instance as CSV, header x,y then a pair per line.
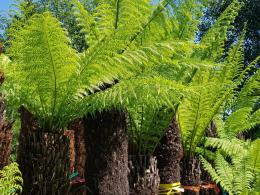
x,y
107,156
169,153
191,173
77,183
144,176
43,158
80,148
5,137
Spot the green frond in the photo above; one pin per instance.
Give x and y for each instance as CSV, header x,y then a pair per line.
x,y
234,59
254,163
229,146
249,94
87,23
216,36
184,18
199,108
239,174
208,167
11,179
225,172
44,65
103,64
136,91
239,121
147,126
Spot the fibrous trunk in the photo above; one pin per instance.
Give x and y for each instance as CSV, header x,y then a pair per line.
x,y
78,182
107,156
80,148
169,153
144,176
43,158
5,137
191,173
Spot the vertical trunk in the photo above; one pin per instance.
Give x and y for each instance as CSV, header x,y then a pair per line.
x,y
107,156
80,147
43,158
143,177
77,183
5,130
191,171
169,153
5,137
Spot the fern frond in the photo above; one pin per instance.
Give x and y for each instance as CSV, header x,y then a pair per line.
x,y
136,91
46,64
11,179
216,36
253,162
238,122
224,170
231,147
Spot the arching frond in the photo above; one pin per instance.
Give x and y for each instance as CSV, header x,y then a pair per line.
x,y
215,38
136,91
229,146
45,64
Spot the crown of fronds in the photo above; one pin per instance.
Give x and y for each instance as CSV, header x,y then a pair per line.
x,y
214,87
51,79
11,179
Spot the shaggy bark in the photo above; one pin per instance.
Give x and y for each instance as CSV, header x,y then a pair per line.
x,y
43,158
191,171
5,137
169,153
107,156
143,177
5,131
77,184
80,147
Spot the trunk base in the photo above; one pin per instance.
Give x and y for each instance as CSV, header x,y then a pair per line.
x,y
44,163
144,177
191,171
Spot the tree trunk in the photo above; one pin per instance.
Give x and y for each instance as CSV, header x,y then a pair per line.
x,y
5,137
43,158
80,148
77,183
5,130
143,177
191,175
107,156
169,153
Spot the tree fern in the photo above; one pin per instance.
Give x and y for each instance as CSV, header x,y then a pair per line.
x,y
44,65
